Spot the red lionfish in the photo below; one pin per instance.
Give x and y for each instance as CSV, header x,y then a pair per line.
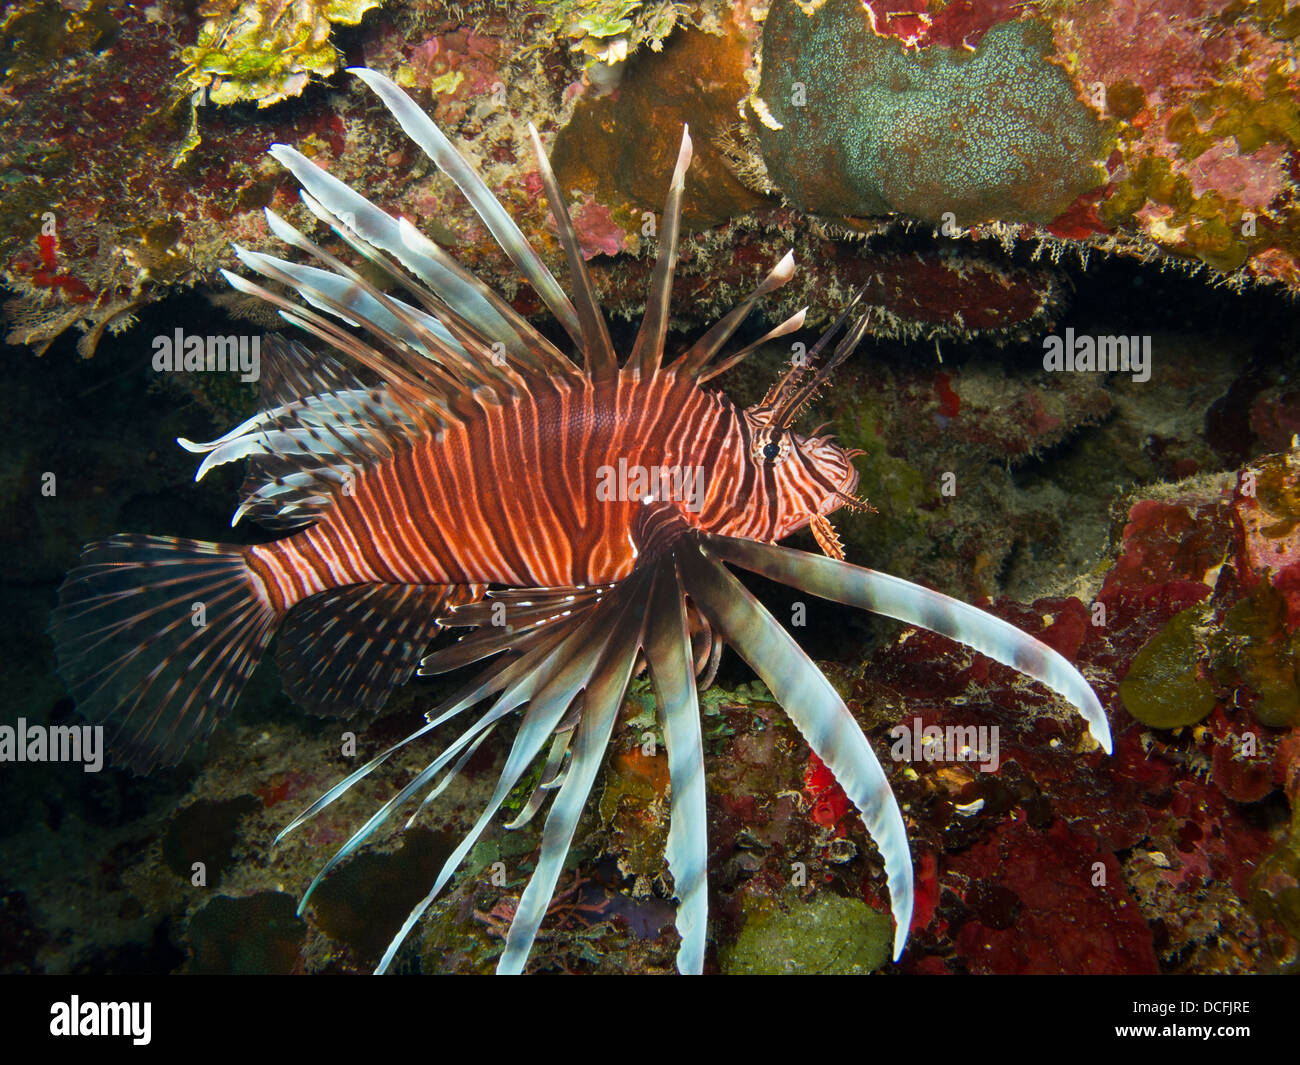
x,y
461,491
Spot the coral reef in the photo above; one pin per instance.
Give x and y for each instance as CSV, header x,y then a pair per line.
x,y
265,52
1151,128
606,32
828,936
853,123
457,68
621,147
1204,96
121,191
1163,687
254,934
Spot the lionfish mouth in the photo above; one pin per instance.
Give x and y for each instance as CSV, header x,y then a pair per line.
x,y
561,663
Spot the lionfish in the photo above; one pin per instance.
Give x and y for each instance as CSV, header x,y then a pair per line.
x,y
459,486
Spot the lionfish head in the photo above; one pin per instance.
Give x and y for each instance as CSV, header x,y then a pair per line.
x,y
808,477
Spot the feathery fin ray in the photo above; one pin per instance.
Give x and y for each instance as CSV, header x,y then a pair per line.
x,y
345,649
896,598
195,606
425,132
596,347
816,710
549,690
604,696
350,212
648,349
668,654
698,355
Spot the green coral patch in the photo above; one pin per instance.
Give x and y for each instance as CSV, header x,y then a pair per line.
x,y
851,123
266,51
1275,887
608,31
829,935
1164,687
1257,650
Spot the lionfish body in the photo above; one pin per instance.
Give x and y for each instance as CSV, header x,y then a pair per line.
x,y
575,517
514,495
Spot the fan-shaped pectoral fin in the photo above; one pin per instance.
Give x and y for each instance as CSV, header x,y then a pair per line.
x,y
908,602
672,673
816,710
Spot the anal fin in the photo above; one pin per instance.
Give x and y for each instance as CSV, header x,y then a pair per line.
x,y
345,649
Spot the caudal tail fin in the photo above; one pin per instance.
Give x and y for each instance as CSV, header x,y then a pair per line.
x,y
156,637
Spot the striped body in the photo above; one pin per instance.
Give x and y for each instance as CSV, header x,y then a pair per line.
x,y
511,497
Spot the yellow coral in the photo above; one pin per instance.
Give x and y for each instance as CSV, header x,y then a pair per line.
x,y
608,31
266,51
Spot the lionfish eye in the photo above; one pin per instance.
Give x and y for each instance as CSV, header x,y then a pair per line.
x,y
769,446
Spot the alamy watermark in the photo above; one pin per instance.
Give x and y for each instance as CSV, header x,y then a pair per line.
x,y
121,1019
1099,354
629,482
920,742
192,353
53,743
